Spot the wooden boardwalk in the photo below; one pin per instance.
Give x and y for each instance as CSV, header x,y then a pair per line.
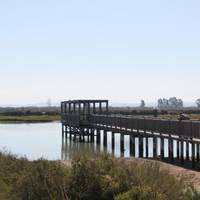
x,y
89,118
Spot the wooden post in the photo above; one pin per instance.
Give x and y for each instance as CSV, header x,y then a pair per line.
x,y
154,146
69,108
187,151
105,138
98,136
182,151
88,134
198,155
113,141
74,107
92,135
162,147
79,108
94,108
81,134
100,107
193,154
122,144
140,140
70,132
147,146
132,145
88,108
178,149
170,146
75,134
107,107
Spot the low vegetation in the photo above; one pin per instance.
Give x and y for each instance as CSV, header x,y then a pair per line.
x,y
29,118
100,177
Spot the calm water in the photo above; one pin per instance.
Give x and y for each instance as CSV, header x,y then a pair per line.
x,y
32,140
45,140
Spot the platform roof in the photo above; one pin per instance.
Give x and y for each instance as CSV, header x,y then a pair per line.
x,y
86,101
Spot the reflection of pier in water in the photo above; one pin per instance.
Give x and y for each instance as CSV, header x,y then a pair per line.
x,y
87,125
71,147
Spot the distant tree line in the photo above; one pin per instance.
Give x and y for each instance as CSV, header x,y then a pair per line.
x,y
173,103
170,103
18,111
198,103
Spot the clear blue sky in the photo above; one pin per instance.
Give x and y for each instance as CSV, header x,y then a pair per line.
x,y
120,50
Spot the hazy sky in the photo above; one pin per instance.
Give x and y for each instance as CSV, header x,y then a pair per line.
x,y
119,50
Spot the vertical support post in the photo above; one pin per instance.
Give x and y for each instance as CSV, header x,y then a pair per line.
x,y
122,144
70,133
193,154
182,151
113,141
75,133
147,146
79,108
88,108
66,131
107,107
171,149
132,145
187,151
105,138
178,149
88,134
92,135
94,107
74,107
140,139
69,108
83,134
162,147
80,134
198,155
154,146
98,136
100,107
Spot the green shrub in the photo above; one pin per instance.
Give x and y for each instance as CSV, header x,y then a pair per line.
x,y
44,180
100,177
141,193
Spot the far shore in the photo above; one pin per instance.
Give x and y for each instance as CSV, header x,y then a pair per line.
x,y
29,119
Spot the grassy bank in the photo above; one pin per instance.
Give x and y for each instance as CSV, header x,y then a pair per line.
x,y
101,177
175,116
29,118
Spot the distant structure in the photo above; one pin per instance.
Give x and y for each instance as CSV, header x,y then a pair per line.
x,y
142,104
171,103
198,103
49,104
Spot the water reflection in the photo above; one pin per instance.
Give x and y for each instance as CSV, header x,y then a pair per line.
x,y
71,148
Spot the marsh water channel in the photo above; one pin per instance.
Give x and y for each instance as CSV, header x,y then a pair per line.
x,y
44,140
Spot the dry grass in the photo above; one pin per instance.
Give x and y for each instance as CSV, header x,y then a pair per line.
x,y
29,119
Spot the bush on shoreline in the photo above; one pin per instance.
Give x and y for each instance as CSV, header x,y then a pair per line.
x,y
98,177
